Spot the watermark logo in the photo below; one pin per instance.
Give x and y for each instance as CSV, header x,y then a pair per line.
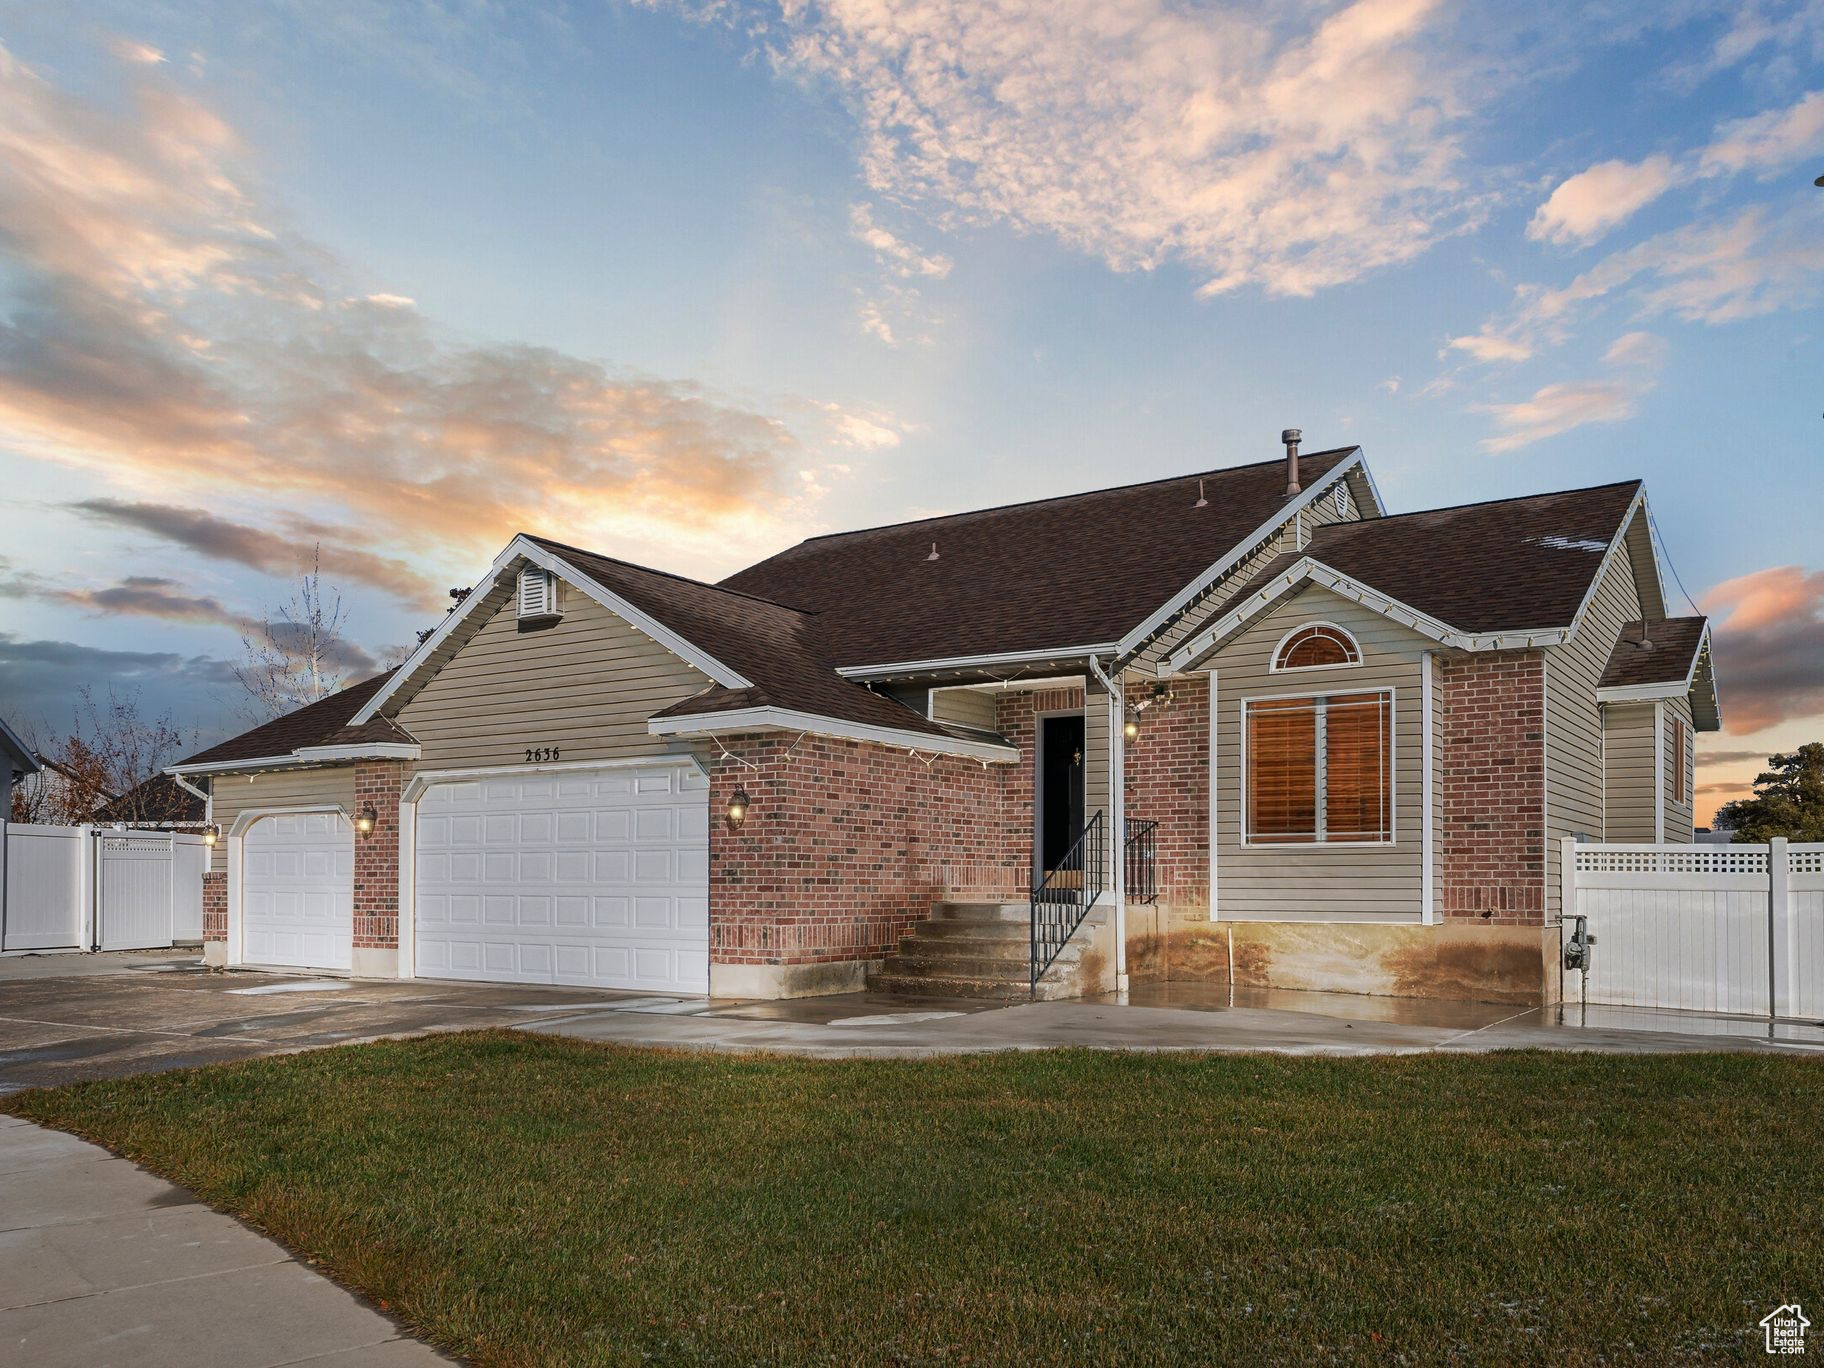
x,y
1785,1327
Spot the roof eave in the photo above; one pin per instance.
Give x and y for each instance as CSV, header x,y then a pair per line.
x,y
789,719
523,547
1307,570
954,664
1161,617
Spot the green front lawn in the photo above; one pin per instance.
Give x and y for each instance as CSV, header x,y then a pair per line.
x,y
526,1200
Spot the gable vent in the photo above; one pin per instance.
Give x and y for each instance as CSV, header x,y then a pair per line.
x,y
1341,500
537,593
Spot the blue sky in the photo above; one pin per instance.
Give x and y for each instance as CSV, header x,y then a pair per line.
x,y
689,281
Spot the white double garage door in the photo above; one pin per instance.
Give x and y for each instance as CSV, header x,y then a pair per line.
x,y
597,878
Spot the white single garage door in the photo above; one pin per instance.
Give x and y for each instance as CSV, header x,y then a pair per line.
x,y
298,891
596,877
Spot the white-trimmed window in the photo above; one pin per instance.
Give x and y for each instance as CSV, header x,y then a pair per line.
x,y
537,593
1316,646
1319,771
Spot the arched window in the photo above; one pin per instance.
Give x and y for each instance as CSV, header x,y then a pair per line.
x,y
1316,646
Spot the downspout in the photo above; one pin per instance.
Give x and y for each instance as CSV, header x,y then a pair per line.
x,y
207,797
1117,811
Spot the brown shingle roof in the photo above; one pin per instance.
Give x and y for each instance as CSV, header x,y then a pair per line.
x,y
158,799
1508,565
779,650
1082,570
1666,658
312,725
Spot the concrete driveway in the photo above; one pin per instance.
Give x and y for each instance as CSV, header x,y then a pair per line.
x,y
70,1017
64,1018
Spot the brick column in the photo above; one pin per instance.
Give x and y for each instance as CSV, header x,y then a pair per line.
x,y
1491,830
215,905
377,785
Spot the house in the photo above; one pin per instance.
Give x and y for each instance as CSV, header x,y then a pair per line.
x,y
1243,725
16,762
159,803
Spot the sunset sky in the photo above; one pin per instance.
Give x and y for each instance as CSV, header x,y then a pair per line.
x,y
687,282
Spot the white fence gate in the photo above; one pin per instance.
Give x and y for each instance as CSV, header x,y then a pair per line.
x,y
86,888
1736,930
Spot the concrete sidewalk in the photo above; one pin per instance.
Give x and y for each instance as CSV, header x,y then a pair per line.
x,y
1163,1017
103,1264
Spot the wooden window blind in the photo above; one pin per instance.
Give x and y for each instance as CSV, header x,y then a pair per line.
x,y
1320,770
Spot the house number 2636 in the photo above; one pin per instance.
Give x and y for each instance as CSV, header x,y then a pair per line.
x,y
538,755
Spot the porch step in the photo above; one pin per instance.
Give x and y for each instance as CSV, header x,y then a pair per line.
x,y
980,912
975,949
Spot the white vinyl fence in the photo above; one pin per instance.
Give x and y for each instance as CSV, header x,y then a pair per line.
x,y
1737,929
99,888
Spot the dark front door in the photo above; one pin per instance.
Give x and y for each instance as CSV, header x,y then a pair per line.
x,y
1059,789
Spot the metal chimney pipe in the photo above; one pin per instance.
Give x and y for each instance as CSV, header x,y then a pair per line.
x,y
1291,438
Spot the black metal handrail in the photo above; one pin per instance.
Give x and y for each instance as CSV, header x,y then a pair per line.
x,y
1142,847
1063,897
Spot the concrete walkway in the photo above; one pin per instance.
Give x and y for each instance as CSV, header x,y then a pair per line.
x,y
103,1264
1166,1017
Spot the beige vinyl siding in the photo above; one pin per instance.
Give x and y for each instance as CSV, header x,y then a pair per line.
x,y
1574,781
965,707
1628,740
585,686
1317,882
1679,825
237,793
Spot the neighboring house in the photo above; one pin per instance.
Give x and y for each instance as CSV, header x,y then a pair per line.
x,y
16,762
1350,744
156,804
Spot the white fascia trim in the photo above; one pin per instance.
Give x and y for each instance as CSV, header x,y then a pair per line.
x,y
1617,546
1242,550
524,547
1371,599
230,766
422,780
1659,556
377,750
786,719
904,667
1672,688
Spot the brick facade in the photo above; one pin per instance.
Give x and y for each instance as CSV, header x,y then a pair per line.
x,y
845,845
1490,712
215,905
1168,781
378,784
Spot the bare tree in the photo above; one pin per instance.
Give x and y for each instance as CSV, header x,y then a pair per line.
x,y
298,655
109,759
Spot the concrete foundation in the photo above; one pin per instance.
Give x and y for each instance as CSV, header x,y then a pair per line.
x,y
368,963
1465,961
215,954
789,980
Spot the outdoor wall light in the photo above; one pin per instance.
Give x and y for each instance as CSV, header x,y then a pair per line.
x,y
365,819
737,806
211,834
1131,728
